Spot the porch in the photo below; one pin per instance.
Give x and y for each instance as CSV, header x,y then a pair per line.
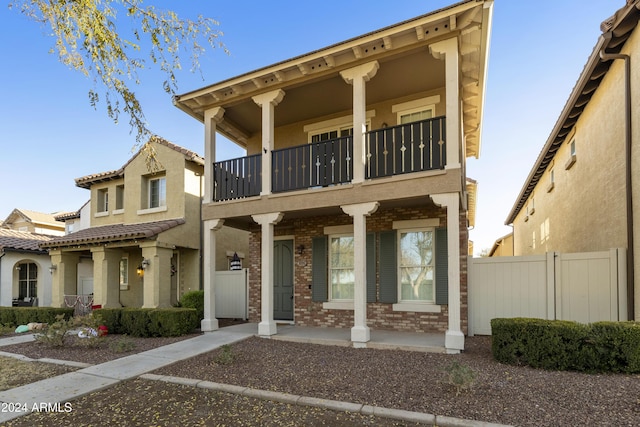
x,y
380,339
395,150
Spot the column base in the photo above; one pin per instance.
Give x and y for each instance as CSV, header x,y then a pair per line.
x,y
360,334
454,342
266,329
208,325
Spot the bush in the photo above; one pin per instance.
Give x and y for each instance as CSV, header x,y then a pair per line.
x,y
22,315
148,322
194,299
563,345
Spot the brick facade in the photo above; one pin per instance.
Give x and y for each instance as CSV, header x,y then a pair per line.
x,y
379,315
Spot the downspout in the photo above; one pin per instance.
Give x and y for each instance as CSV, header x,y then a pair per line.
x,y
2,254
629,193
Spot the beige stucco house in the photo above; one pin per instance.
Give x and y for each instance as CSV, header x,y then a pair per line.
x,y
142,247
354,187
33,222
583,192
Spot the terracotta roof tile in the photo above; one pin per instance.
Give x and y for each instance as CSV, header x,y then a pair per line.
x,y
12,240
114,233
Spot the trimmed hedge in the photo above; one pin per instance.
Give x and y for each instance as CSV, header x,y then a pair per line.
x,y
194,299
565,345
149,322
16,316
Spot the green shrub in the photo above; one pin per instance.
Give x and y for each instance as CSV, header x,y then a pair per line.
x,y
111,319
462,377
172,322
24,315
135,322
563,345
194,299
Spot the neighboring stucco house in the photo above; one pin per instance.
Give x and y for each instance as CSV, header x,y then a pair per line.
x,y
25,277
142,247
502,247
354,186
33,222
581,194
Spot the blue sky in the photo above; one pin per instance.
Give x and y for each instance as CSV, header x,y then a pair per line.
x,y
50,135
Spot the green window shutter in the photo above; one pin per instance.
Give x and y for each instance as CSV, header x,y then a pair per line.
x,y
371,267
319,284
442,267
388,267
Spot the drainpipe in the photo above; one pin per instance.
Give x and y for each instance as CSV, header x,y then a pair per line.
x,y
629,193
1,255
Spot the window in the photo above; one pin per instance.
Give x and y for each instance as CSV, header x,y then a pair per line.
x,y
341,273
124,273
27,280
157,192
572,154
119,197
552,179
416,110
416,116
103,200
572,147
416,266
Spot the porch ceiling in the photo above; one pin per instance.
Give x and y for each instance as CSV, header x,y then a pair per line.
x,y
314,87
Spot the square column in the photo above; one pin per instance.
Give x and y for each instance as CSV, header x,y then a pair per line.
x,y
267,325
106,277
267,101
360,333
454,338
64,280
358,76
156,282
210,323
211,118
448,50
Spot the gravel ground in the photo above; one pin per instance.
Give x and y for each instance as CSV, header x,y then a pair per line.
x,y
389,378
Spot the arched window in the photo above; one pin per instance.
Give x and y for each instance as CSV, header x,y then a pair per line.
x,y
27,280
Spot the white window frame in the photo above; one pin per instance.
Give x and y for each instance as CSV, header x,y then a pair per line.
x,y
162,192
338,124
124,281
415,106
331,268
146,190
102,207
400,232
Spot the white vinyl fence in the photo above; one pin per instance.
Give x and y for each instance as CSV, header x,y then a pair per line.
x,y
232,288
585,287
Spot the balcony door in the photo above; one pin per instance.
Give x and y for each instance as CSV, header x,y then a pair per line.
x,y
283,280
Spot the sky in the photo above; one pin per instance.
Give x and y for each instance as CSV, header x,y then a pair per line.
x,y
50,134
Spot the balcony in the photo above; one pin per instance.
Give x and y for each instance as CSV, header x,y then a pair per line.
x,y
408,148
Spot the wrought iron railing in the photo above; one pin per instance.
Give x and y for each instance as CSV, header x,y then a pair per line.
x,y
412,147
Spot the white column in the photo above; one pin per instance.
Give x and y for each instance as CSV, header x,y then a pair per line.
x,y
267,325
267,101
454,339
211,118
358,76
209,323
360,333
448,50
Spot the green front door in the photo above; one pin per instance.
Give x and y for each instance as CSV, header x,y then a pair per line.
x,y
283,280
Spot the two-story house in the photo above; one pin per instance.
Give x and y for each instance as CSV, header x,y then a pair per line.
x,y
33,222
354,184
142,247
582,191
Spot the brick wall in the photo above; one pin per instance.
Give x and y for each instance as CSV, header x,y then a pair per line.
x,y
379,315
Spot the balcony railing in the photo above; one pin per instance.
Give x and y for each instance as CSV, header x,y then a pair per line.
x,y
413,147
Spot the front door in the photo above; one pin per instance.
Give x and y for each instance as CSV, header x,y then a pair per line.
x,y
283,280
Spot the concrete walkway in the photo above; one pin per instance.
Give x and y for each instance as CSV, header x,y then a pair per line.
x,y
89,379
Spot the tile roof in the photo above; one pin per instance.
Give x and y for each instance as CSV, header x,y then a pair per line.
x,y
87,181
34,217
12,240
113,233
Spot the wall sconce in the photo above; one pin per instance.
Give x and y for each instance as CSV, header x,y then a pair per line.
x,y
140,270
18,268
53,268
145,263
236,263
300,249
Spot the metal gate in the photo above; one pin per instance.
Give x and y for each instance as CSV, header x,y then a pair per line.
x,y
584,287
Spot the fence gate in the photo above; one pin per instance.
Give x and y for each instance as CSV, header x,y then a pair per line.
x,y
232,288
584,287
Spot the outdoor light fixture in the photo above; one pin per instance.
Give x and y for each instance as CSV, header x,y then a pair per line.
x,y
300,249
140,270
53,268
236,263
145,264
